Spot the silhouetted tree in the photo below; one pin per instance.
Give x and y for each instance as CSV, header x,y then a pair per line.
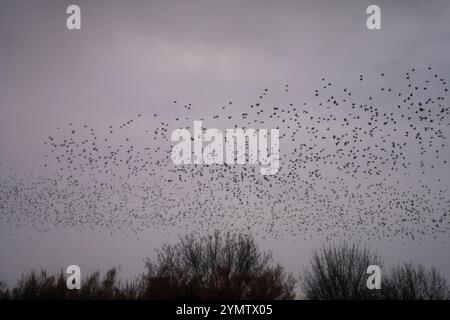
x,y
108,288
4,291
415,282
339,273
216,267
41,286
233,267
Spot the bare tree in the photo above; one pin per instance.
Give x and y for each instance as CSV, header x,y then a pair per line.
x,y
4,291
339,273
232,266
108,288
216,267
38,285
415,282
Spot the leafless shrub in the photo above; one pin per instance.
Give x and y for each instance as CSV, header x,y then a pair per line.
x,y
216,267
415,282
339,273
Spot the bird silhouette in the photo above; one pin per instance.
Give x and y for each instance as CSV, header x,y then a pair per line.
x,y
356,162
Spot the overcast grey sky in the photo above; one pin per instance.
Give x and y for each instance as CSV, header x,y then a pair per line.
x,y
136,57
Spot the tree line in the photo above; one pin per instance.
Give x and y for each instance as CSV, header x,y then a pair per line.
x,y
232,266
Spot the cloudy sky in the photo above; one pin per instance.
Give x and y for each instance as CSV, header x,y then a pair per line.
x,y
133,57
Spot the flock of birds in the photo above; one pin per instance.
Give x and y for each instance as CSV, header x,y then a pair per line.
x,y
364,163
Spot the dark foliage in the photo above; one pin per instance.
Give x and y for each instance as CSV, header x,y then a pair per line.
x,y
411,282
233,267
339,273
216,267
40,286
